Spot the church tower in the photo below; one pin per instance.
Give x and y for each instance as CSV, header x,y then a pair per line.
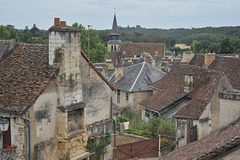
x,y
114,53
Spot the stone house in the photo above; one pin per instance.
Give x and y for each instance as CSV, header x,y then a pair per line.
x,y
50,95
222,144
191,95
133,84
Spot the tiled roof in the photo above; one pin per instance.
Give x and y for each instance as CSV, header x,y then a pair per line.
x,y
138,77
210,146
131,49
231,68
197,60
97,71
229,65
24,75
172,89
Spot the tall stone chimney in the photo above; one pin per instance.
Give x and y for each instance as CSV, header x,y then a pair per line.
x,y
208,59
188,83
65,53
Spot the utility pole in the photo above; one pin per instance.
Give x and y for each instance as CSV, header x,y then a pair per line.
x,y
89,46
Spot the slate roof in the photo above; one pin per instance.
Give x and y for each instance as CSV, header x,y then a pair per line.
x,y
131,49
138,77
210,146
24,75
171,88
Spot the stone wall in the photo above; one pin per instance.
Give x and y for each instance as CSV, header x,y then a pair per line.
x,y
65,52
74,147
46,150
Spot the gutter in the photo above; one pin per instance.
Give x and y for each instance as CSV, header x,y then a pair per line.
x,y
29,135
114,129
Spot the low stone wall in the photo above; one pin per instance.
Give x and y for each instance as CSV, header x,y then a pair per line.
x,y
46,150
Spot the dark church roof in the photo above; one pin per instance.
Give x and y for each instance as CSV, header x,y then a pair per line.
x,y
138,77
131,49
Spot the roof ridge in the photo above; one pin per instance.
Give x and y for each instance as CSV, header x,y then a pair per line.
x,y
137,76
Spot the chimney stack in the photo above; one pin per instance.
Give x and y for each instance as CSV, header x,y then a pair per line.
x,y
118,73
188,83
148,60
56,21
63,23
208,59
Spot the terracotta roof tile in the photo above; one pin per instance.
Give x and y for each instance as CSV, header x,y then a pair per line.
x,y
24,76
231,68
209,146
172,89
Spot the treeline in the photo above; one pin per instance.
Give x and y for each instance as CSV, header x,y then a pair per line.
x,y
201,39
33,35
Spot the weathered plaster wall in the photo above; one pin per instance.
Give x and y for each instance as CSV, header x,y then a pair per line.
x,y
204,122
96,95
215,102
43,117
229,108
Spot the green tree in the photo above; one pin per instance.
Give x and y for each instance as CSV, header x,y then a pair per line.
x,y
226,47
98,50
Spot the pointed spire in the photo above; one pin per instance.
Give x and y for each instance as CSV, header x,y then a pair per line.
x,y
115,26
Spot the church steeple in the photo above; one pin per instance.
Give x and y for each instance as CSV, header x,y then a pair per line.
x,y
115,34
115,26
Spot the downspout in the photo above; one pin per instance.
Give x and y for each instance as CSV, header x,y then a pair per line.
x,y
29,135
114,129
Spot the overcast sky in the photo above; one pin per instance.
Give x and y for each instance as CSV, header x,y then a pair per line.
x,y
99,13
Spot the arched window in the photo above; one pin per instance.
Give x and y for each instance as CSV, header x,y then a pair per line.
x,y
115,49
111,48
